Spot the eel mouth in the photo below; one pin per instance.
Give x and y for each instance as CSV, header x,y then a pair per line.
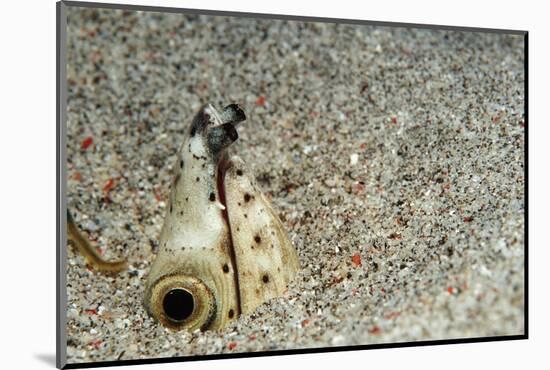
x,y
226,124
224,164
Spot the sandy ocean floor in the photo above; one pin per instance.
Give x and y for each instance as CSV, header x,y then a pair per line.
x,y
394,157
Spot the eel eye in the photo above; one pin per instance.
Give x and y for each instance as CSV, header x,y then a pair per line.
x,y
181,301
178,304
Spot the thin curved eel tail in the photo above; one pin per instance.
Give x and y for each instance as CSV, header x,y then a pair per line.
x,y
89,252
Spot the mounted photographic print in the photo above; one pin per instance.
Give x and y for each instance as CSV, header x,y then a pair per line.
x,y
235,184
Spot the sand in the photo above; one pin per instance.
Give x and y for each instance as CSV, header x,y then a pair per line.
x,y
395,158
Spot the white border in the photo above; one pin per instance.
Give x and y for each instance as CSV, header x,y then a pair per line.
x,y
27,145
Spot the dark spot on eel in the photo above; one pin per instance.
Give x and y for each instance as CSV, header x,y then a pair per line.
x,y
265,278
225,268
231,313
198,179
257,239
246,197
239,172
212,197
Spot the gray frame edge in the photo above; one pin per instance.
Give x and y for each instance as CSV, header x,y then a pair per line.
x,y
61,195
289,17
